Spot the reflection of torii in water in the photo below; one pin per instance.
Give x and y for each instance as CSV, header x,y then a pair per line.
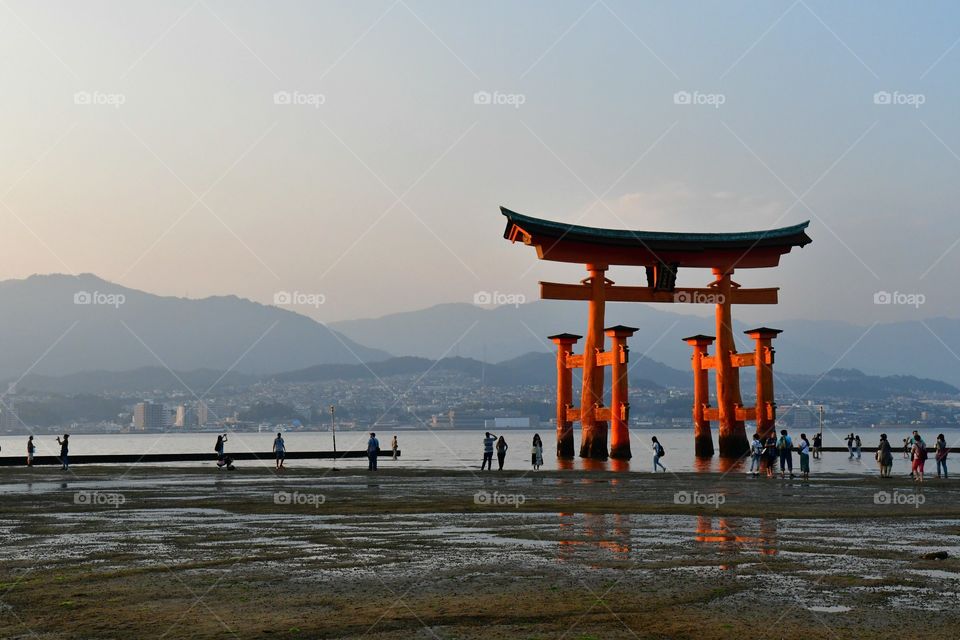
x,y
661,254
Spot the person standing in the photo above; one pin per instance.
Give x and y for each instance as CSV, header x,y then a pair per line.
x,y
804,450
919,458
770,455
279,450
373,450
817,445
785,449
906,448
850,445
394,447
756,451
219,448
501,452
658,452
857,445
536,452
941,455
488,441
31,449
64,451
885,456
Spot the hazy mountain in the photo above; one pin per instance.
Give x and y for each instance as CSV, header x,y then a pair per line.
x,y
59,324
805,347
144,379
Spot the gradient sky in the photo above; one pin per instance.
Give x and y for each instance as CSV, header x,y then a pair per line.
x,y
385,197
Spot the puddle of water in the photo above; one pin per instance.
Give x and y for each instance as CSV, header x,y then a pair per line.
x,y
837,608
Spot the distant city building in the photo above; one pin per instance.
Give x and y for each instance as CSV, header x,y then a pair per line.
x,y
9,419
150,416
526,422
184,417
211,412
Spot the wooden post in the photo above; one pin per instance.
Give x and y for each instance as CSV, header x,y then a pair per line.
x,y
619,392
702,437
593,439
733,435
564,342
766,407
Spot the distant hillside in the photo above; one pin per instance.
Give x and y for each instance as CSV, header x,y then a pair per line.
x,y
854,384
806,346
144,379
45,331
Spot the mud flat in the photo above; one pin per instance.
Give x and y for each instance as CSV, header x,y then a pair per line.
x,y
194,553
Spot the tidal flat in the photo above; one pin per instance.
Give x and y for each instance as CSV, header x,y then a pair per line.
x,y
190,552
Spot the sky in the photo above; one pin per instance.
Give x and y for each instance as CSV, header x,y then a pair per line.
x,y
348,152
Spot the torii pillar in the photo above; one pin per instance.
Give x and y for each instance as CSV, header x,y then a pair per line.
x,y
564,342
593,438
763,360
702,437
619,400
733,433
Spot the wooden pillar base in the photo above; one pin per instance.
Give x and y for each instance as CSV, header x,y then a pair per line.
x,y
703,446
594,444
621,452
734,445
565,447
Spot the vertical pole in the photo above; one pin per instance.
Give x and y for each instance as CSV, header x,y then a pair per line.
x,y
702,437
564,342
763,359
333,429
733,435
620,392
593,440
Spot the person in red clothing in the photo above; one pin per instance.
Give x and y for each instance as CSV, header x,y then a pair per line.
x,y
919,457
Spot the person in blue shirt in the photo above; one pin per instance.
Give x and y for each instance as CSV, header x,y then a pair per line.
x,y
373,449
279,450
785,448
756,450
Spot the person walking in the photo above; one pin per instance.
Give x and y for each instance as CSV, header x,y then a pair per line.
x,y
885,456
941,455
850,445
658,452
373,450
857,445
785,449
919,458
756,451
906,448
394,447
804,450
501,452
31,449
64,451
817,445
536,452
488,441
279,450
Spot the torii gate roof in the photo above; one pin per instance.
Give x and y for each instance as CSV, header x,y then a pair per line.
x,y
563,242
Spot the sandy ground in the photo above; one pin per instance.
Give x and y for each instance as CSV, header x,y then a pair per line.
x,y
194,553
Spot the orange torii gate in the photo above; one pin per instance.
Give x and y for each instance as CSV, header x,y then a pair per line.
x,y
662,254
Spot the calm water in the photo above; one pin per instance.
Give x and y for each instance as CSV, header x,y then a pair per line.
x,y
460,449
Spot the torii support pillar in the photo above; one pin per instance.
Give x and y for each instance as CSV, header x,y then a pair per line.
x,y
733,434
619,393
702,437
564,342
593,438
763,360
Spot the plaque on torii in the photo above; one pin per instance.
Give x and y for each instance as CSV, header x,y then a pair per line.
x,y
661,254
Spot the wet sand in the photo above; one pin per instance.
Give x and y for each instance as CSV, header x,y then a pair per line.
x,y
196,553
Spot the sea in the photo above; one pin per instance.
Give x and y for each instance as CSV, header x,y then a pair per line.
x,y
464,449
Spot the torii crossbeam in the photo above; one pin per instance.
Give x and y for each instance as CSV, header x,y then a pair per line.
x,y
662,254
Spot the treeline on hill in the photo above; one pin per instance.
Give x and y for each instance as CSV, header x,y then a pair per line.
x,y
58,410
271,412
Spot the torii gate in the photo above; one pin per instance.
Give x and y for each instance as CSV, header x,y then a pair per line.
x,y
662,254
